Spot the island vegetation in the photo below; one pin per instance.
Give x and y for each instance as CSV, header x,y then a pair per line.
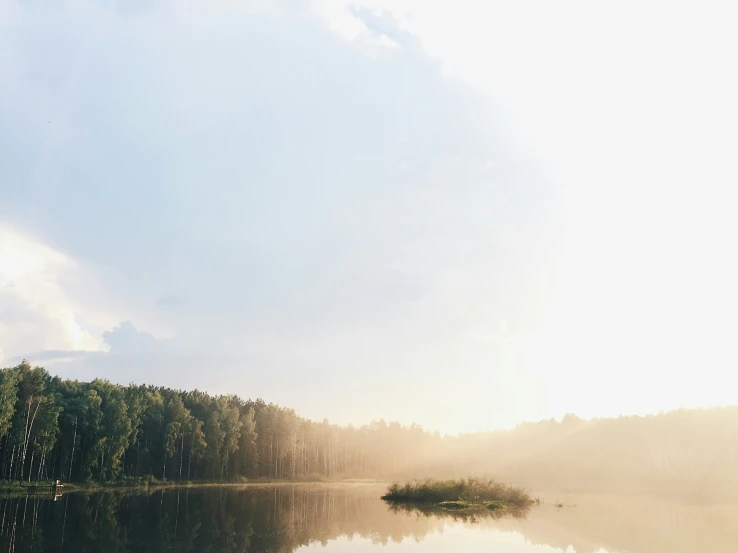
x,y
469,494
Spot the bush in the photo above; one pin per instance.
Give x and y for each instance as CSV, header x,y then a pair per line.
x,y
471,490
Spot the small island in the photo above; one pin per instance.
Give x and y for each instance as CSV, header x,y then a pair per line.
x,y
470,495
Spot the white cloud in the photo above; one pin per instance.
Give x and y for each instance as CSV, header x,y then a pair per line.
x,y
341,19
38,313
580,77
49,301
631,105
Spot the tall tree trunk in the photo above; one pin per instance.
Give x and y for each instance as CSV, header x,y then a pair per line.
x,y
74,443
181,454
271,457
10,468
28,429
294,446
30,468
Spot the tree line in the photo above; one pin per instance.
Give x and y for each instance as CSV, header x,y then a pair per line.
x,y
51,428
685,450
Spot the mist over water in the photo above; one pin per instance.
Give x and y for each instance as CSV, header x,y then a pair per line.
x,y
287,518
665,483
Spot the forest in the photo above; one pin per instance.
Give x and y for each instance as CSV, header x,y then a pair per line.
x,y
51,428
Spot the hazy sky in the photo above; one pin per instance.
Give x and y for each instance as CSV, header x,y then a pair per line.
x,y
463,214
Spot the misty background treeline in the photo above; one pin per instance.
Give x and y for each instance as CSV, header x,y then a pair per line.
x,y
51,428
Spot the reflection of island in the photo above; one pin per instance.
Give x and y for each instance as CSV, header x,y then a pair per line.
x,y
464,515
284,518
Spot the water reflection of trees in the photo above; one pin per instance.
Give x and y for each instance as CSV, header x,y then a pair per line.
x,y
283,518
277,519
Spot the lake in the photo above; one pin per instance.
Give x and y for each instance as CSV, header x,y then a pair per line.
x,y
351,518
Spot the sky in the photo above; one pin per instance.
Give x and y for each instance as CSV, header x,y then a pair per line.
x,y
465,215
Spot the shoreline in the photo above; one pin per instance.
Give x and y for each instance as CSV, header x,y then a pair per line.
x,y
44,488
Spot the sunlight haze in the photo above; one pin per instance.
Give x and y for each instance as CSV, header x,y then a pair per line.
x,y
464,215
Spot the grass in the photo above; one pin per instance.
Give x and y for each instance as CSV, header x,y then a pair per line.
x,y
459,495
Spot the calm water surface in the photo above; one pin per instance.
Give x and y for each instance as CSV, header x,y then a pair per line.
x,y
351,518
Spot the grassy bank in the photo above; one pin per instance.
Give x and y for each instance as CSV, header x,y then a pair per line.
x,y
8,488
459,495
14,488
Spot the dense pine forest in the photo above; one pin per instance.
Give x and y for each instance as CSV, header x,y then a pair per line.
x,y
51,428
